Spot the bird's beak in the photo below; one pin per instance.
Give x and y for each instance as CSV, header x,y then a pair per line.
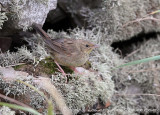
x,y
96,46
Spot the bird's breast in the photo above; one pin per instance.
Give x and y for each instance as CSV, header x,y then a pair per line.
x,y
73,60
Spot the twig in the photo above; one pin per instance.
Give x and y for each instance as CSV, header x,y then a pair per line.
x,y
151,69
138,95
14,101
15,65
144,18
140,19
135,51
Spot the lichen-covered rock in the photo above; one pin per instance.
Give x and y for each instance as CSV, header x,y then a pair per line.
x,y
23,13
84,90
138,86
117,15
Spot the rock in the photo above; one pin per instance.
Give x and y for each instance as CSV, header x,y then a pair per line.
x,y
9,74
122,20
24,13
75,10
5,43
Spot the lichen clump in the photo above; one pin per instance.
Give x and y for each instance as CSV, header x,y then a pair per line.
x,y
84,90
3,18
4,110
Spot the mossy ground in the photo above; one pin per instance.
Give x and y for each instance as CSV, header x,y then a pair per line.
x,y
46,66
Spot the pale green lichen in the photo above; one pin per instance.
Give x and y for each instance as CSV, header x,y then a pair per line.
x,y
17,5
13,88
5,110
15,8
23,16
42,1
23,55
3,18
16,89
9,58
114,14
84,90
36,101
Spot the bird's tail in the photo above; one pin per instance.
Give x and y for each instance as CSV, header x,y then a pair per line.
x,y
39,29
49,42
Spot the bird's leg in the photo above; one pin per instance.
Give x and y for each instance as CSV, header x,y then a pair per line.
x,y
60,69
74,69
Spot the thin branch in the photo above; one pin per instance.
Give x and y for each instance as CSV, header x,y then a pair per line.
x,y
15,65
151,69
135,51
140,19
139,94
14,101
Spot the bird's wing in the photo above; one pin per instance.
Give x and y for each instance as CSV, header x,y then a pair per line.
x,y
66,46
63,46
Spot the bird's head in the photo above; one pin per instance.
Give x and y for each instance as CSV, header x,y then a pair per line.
x,y
87,46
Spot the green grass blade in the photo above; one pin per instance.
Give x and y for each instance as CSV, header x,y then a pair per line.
x,y
140,61
13,106
50,109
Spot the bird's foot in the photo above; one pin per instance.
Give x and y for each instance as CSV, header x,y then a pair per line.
x,y
62,71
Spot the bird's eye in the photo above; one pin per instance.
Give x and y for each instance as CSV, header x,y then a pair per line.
x,y
87,45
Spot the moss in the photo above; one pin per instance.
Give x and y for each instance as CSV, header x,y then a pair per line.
x,y
46,66
49,67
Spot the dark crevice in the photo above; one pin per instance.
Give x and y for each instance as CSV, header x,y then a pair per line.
x,y
64,25
62,22
125,47
18,41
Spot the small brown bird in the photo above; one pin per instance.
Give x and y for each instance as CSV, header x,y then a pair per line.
x,y
66,52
